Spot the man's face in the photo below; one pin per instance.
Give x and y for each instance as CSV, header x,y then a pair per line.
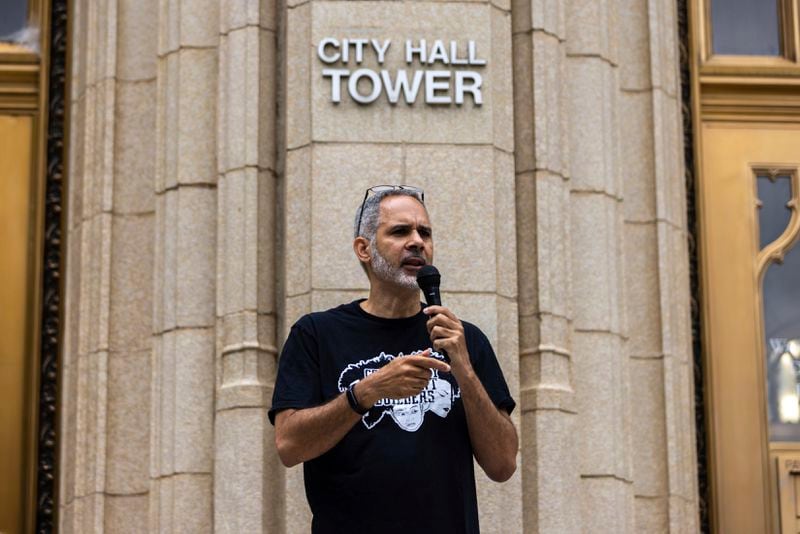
x,y
403,242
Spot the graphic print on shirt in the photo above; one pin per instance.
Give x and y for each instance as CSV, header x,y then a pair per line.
x,y
409,413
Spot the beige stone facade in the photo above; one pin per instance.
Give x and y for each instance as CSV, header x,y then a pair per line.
x,y
211,195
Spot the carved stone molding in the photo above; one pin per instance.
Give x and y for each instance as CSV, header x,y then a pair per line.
x,y
691,219
47,435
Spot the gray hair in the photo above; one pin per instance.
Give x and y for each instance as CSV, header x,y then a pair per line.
x,y
369,213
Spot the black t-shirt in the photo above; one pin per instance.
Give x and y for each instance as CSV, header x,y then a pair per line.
x,y
407,465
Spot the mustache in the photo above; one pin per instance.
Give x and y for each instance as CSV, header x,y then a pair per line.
x,y
417,255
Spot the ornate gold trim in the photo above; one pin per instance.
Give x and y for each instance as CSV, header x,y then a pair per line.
x,y
54,91
19,86
746,65
691,120
740,100
775,251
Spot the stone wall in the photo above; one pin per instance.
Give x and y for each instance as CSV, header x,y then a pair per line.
x,y
212,187
605,361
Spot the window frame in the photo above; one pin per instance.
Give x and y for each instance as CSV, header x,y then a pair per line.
x,y
723,64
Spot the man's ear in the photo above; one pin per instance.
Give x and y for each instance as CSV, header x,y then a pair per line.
x,y
361,248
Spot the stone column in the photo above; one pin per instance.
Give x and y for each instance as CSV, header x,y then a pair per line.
x,y
248,483
601,369
605,368
664,463
550,473
105,394
89,229
461,155
182,385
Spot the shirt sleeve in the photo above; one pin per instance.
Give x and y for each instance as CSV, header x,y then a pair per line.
x,y
298,382
484,362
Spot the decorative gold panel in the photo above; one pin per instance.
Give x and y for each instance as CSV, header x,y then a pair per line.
x,y
743,501
755,99
26,491
746,88
16,190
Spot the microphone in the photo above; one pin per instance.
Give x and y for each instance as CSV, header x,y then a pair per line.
x,y
428,279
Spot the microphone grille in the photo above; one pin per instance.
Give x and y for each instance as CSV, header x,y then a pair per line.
x,y
428,276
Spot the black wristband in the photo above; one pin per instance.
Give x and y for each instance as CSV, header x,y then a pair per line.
x,y
353,401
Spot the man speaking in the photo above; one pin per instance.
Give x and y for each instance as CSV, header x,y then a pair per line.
x,y
360,390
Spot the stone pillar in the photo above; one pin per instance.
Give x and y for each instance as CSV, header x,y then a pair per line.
x,y
72,487
89,229
601,369
182,385
461,155
550,473
105,394
664,463
131,267
248,483
605,354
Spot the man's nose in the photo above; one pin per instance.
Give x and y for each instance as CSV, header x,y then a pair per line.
x,y
415,240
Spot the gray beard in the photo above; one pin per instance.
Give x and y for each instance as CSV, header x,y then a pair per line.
x,y
388,273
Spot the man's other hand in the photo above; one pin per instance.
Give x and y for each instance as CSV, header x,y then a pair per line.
x,y
403,377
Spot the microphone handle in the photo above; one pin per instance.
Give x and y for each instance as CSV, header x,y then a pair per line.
x,y
433,298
